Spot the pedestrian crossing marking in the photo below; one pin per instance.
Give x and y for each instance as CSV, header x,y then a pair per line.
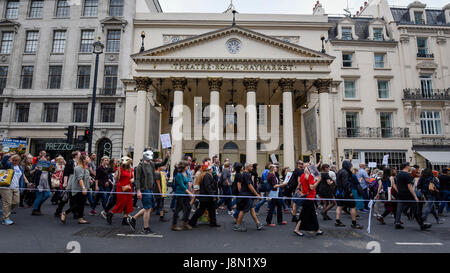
x,y
141,235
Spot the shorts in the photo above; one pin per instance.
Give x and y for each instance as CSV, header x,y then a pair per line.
x,y
299,202
148,200
244,204
349,204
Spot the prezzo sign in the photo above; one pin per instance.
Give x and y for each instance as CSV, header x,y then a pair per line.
x,y
63,146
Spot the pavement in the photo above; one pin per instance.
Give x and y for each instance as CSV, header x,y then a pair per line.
x,y
46,234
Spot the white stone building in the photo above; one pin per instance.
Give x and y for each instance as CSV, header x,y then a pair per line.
x,y
47,71
345,101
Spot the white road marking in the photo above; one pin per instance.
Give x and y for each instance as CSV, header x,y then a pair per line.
x,y
141,235
420,244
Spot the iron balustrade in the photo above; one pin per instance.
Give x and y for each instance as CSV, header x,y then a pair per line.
x,y
426,94
425,55
373,132
107,91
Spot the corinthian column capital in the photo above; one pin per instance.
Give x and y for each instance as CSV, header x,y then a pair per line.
x,y
215,84
179,84
142,83
323,85
287,85
251,84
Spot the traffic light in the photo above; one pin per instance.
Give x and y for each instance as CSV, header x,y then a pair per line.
x,y
87,134
69,134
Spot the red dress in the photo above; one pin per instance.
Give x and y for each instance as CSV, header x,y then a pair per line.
x,y
124,203
306,186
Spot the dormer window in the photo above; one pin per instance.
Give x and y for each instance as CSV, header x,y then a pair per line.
x,y
346,33
378,34
418,18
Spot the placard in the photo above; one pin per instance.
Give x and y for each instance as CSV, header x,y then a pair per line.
x,y
385,160
287,178
14,145
273,157
46,165
314,171
165,141
372,164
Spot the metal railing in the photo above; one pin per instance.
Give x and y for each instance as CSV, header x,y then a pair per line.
x,y
107,91
373,132
426,94
419,21
425,55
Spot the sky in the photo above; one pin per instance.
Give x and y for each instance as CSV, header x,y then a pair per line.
x,y
278,6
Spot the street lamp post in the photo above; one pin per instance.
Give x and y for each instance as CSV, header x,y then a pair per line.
x,y
98,49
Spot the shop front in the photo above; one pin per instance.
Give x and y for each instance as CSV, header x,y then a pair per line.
x,y
55,147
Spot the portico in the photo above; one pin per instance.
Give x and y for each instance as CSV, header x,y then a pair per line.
x,y
232,92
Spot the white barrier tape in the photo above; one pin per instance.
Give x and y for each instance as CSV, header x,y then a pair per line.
x,y
371,203
235,196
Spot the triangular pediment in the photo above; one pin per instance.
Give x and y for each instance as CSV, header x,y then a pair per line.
x,y
113,21
5,23
250,45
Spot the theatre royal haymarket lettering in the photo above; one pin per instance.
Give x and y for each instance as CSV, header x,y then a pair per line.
x,y
233,67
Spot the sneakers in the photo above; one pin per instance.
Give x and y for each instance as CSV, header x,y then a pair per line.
x,y
162,219
103,214
239,228
440,221
259,226
357,226
36,213
339,224
398,226
187,226
7,222
425,226
131,222
381,220
271,225
176,228
147,231
109,217
363,210
282,223
326,217
230,212
93,212
125,221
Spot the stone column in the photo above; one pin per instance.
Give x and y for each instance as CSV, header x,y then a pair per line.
x,y
142,86
215,131
287,86
179,84
325,124
251,85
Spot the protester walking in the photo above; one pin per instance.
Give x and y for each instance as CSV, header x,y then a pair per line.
x,y
274,195
429,187
11,194
182,201
42,180
67,176
325,190
444,181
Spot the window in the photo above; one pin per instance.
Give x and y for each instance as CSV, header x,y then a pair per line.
x,y
386,124
378,34
87,41
113,41
351,122
80,112
116,8
84,76
7,41
3,78
110,84
418,18
31,42
346,33
90,8
59,41
230,117
379,60
426,85
26,77
22,112
349,89
36,9
422,49
62,9
54,77
206,113
108,112
383,89
431,123
12,9
51,112
347,59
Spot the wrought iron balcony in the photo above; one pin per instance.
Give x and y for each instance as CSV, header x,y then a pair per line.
x,y
373,132
425,55
107,91
426,94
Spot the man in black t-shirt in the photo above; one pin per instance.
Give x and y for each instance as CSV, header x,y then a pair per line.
x,y
404,182
444,181
245,204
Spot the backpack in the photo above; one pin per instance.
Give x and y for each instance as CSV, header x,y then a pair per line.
x,y
373,185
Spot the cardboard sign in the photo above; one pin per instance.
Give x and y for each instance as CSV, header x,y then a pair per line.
x,y
165,141
273,157
287,178
385,160
314,171
372,164
14,145
46,165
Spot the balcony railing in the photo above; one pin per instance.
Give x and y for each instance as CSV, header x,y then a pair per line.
x,y
425,55
426,94
373,132
107,91
419,22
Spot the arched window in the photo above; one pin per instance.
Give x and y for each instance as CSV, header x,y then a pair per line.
x,y
202,145
230,146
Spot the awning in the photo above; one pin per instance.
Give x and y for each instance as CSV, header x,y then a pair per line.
x,y
436,158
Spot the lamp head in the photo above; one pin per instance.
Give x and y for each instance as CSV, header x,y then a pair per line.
x,y
98,46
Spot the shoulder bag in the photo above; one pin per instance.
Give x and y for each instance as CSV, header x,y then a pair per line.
x,y
6,177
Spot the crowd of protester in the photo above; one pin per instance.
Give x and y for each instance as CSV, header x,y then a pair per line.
x,y
199,190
